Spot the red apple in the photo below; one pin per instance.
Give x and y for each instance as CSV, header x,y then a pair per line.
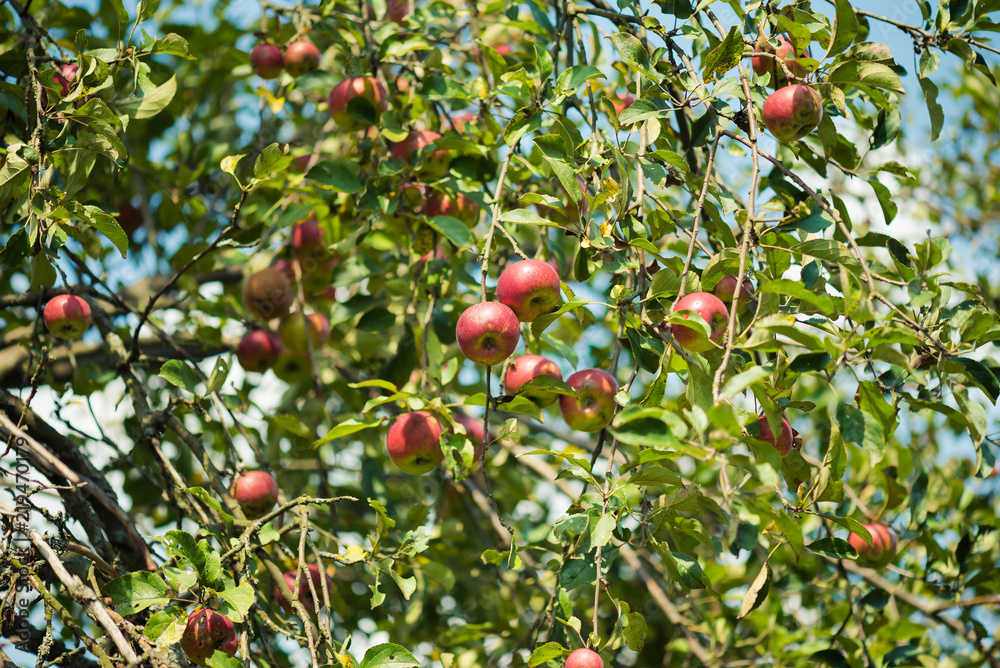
x,y
882,550
129,218
726,289
712,311
530,288
792,112
292,332
785,52
258,350
365,88
307,238
64,76
435,165
784,441
584,658
622,102
461,207
525,368
67,316
304,593
207,631
267,294
474,430
256,492
414,442
266,61
502,49
488,333
459,121
301,58
301,163
397,11
595,407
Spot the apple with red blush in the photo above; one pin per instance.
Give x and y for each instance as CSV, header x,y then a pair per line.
x,y
266,61
207,631
594,406
352,92
256,493
303,592
414,442
712,310
530,288
792,112
301,58
882,549
584,658
783,52
258,351
488,332
527,368
67,316
435,165
783,441
726,289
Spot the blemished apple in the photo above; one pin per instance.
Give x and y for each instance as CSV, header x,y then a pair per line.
x,y
712,310
292,367
304,593
67,316
258,350
584,658
783,443
530,288
461,207
726,290
365,88
414,442
525,368
267,61
292,332
595,407
783,52
474,430
267,294
435,165
256,492
301,58
207,631
882,550
488,333
792,112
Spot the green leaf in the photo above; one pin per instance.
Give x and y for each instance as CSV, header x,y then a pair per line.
x,y
180,374
757,592
981,376
200,554
135,592
166,627
638,111
844,28
572,77
109,227
388,655
647,427
634,630
601,533
724,57
633,53
547,652
346,428
454,230
340,175
745,379
274,158
889,207
238,601
838,548
153,102
524,217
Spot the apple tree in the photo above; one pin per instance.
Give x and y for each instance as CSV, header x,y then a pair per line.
x,y
486,333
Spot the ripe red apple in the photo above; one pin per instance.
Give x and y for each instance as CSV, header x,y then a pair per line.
x,y
726,289
596,404
792,112
258,350
622,102
292,332
530,288
783,52
307,238
207,631
584,658
882,550
301,162
304,593
502,49
474,430
414,442
365,88
301,58
488,333
129,218
435,165
712,311
783,443
267,294
397,11
67,316
461,207
267,61
525,368
64,76
256,492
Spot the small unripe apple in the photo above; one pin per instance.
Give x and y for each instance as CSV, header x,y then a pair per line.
x,y
474,430
267,294
595,407
304,593
488,333
792,112
365,88
526,368
530,288
712,310
267,61
882,550
293,367
258,350
783,52
435,165
414,442
783,443
726,289
256,492
207,631
584,658
461,207
67,316
301,58
292,331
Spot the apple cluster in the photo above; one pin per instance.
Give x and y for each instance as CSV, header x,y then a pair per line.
x,y
299,58
794,109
